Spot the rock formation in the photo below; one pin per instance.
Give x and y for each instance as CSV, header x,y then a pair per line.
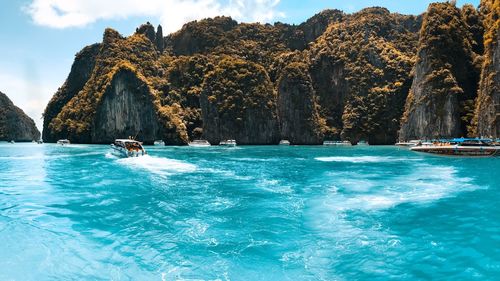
x,y
360,69
488,103
336,76
243,109
299,118
147,30
80,73
160,41
126,109
14,123
96,80
445,78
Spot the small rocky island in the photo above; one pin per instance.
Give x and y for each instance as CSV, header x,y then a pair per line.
x,y
15,125
372,75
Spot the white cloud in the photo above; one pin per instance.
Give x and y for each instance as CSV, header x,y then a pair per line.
x,y
172,13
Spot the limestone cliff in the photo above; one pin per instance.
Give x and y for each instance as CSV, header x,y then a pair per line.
x,y
14,123
80,73
107,94
126,109
335,76
243,109
298,113
445,77
488,104
360,69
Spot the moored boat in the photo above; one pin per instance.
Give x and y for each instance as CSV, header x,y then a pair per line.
x,y
284,142
159,143
199,143
337,143
230,143
409,143
461,147
362,143
127,148
63,142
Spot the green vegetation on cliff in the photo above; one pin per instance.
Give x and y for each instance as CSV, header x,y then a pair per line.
x,y
440,102
298,109
335,76
361,72
239,102
487,116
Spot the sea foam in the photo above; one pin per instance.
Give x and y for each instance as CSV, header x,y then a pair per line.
x,y
423,185
158,165
362,159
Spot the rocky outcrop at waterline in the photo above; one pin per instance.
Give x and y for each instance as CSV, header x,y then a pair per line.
x,y
337,77
14,123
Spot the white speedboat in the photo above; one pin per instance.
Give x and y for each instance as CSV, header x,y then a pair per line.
x,y
409,143
284,142
231,143
337,143
128,148
199,143
159,143
63,142
12,142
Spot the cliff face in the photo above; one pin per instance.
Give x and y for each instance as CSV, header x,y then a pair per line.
x,y
360,68
488,104
79,75
299,119
126,109
445,79
431,114
244,109
14,123
337,77
73,112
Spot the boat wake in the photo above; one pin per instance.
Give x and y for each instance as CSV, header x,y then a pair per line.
x,y
157,165
362,159
47,157
349,212
424,184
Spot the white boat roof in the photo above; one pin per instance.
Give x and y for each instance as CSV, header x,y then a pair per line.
x,y
127,140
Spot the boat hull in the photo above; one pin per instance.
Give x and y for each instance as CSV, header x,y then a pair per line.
x,y
199,143
470,151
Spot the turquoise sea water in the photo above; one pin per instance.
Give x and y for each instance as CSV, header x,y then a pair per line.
x,y
247,213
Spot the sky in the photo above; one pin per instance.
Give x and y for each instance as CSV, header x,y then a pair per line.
x,y
39,38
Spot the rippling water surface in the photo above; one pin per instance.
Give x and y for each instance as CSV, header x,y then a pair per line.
x,y
246,213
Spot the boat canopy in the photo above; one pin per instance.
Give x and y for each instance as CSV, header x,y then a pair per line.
x,y
461,140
